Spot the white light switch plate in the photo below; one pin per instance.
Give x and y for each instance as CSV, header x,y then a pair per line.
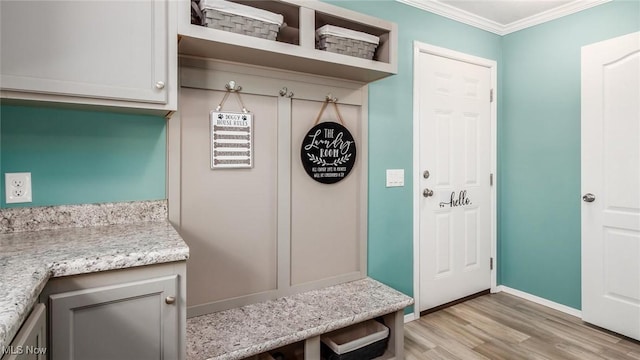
x,y
395,177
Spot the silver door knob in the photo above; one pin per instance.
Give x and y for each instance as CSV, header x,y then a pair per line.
x,y
427,192
589,197
160,85
170,300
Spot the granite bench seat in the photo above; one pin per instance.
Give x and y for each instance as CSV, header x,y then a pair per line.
x,y
249,330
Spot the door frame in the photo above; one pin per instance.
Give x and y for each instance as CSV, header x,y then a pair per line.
x,y
418,48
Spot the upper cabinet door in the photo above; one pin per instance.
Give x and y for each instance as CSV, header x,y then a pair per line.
x,y
98,49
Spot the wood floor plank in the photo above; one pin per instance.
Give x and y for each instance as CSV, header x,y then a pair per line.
x,y
498,350
546,348
413,349
456,328
631,346
502,326
634,354
579,352
512,318
431,330
414,331
616,355
439,353
479,320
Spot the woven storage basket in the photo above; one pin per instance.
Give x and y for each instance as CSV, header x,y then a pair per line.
x,y
347,42
231,19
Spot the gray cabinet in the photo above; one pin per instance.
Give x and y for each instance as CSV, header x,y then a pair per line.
x,y
31,341
91,52
135,320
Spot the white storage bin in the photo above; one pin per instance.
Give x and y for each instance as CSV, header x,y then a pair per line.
x,y
240,19
365,340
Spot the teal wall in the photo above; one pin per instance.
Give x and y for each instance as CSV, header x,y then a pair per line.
x,y
390,257
77,156
539,148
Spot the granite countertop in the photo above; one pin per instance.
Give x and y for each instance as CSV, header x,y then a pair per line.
x,y
242,332
28,259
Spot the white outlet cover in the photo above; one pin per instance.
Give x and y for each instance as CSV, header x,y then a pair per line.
x,y
395,177
17,187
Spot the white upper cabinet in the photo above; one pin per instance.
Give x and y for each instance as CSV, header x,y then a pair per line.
x,y
295,46
113,53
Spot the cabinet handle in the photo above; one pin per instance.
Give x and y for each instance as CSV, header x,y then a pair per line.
x,y
160,85
170,300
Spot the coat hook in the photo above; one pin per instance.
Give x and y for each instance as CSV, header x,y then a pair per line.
x,y
285,92
232,86
331,98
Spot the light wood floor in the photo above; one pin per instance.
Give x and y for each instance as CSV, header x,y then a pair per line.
x,y
502,326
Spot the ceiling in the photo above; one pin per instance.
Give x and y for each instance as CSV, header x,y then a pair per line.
x,y
503,16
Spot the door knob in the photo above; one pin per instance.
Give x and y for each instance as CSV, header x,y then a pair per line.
x,y
170,300
589,197
160,85
427,192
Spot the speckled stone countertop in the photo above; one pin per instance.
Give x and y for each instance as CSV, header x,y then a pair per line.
x,y
83,215
28,259
249,330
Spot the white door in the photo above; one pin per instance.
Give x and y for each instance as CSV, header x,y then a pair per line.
x,y
611,184
455,160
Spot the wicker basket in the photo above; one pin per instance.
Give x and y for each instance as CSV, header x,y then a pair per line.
x,y
231,19
347,42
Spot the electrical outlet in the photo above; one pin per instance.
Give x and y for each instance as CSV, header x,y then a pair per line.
x,y
17,187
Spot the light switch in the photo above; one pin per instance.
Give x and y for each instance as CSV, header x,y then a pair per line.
x,y
395,177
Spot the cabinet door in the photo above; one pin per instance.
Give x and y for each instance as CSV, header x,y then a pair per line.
x,y
99,49
31,341
137,321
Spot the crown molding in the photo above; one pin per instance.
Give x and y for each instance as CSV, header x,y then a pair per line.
x,y
456,14
480,22
552,14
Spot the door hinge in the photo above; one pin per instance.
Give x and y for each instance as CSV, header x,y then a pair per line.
x,y
491,95
490,179
490,263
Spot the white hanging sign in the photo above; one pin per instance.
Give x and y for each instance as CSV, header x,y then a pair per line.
x,y
231,140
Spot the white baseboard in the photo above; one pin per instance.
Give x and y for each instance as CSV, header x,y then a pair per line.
x,y
538,300
409,317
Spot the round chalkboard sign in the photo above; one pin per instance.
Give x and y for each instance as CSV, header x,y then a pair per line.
x,y
328,152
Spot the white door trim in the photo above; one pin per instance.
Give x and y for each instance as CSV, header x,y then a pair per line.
x,y
419,47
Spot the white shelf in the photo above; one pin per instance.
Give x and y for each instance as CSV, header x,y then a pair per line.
x,y
291,53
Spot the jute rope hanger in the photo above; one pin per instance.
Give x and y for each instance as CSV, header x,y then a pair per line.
x,y
333,100
232,88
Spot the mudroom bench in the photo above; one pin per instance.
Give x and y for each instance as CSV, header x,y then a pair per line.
x,y
293,324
